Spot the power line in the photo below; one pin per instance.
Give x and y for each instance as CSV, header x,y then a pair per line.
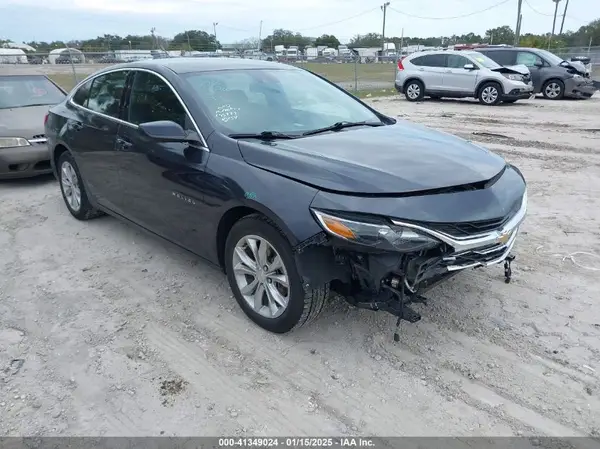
x,y
453,17
339,21
549,15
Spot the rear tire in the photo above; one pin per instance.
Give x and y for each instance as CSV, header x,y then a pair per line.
x,y
414,90
73,189
553,90
265,299
489,94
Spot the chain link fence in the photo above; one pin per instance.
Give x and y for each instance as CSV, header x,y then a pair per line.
x,y
365,75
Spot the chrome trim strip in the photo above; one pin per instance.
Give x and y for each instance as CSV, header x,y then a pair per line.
x,y
504,255
464,244
123,122
38,140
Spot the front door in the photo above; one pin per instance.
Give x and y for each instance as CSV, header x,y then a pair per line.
x,y
535,64
162,181
457,78
95,125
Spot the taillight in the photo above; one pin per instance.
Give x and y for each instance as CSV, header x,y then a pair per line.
x,y
400,66
46,118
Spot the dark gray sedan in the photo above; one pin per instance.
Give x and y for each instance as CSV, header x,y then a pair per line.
x,y
24,103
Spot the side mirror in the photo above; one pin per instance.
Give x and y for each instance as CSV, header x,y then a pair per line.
x,y
469,67
164,131
538,64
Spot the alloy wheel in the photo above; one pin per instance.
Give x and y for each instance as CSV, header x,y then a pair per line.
x,y
552,90
70,186
413,91
489,94
261,276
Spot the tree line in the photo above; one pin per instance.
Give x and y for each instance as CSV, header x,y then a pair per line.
x,y
198,40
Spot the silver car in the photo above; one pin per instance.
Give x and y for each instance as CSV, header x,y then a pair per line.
x,y
458,74
24,104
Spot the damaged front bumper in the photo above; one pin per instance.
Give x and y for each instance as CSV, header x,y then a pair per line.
x,y
387,280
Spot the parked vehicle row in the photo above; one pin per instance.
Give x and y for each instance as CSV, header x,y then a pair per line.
x,y
261,169
492,75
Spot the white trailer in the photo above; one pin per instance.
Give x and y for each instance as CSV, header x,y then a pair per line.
x,y
12,56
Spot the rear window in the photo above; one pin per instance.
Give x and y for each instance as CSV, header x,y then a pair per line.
x,y
28,90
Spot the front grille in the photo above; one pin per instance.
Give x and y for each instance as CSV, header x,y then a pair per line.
x,y
38,139
471,228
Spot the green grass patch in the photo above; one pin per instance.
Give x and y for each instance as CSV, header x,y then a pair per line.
x,y
65,80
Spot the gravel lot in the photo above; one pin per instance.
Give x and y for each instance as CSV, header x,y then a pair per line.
x,y
108,331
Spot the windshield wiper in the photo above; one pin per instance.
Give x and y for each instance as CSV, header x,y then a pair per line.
x,y
265,135
341,125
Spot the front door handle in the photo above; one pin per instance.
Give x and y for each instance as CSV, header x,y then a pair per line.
x,y
123,144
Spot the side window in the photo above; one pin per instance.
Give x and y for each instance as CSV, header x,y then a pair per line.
x,y
457,61
105,94
418,61
502,57
528,59
152,100
434,61
81,96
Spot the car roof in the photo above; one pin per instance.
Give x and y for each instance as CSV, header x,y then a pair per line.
x,y
205,64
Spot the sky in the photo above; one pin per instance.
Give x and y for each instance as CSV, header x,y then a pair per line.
x,y
46,20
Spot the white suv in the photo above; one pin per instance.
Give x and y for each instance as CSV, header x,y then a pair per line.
x,y
458,74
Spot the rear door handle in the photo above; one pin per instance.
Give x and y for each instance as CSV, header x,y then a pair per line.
x,y
123,144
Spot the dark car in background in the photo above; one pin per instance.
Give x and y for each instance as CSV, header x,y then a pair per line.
x,y
24,103
288,182
552,76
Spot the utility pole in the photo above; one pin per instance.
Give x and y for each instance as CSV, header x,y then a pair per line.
x,y
259,35
518,27
188,39
556,2
152,30
562,24
384,9
215,31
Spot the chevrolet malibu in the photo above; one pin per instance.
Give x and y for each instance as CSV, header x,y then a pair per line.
x,y
287,182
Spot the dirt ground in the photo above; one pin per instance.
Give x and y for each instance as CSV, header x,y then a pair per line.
x,y
108,331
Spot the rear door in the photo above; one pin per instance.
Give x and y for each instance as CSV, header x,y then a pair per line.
x,y
94,132
162,181
430,68
456,77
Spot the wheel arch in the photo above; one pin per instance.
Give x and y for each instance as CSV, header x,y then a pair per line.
x,y
485,81
413,78
57,151
235,214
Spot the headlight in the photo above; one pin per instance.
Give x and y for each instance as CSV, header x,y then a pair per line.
x,y
375,235
8,142
513,77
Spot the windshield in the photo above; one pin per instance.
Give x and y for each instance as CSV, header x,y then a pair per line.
x,y
23,91
550,57
282,101
484,61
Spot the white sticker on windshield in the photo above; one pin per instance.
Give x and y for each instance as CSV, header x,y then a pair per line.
x,y
227,113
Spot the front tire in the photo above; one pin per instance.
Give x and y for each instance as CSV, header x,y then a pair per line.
x,y
414,90
553,89
73,190
263,276
490,94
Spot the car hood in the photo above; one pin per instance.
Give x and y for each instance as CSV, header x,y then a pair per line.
x,y
519,69
23,122
395,159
